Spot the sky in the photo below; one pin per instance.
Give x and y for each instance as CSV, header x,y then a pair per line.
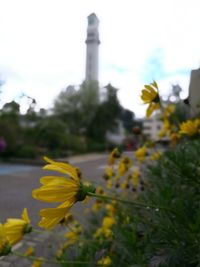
x,y
43,50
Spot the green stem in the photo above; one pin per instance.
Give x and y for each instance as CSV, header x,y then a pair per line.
x,y
32,258
126,201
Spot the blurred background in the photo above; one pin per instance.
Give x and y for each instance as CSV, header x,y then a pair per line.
x,y
71,72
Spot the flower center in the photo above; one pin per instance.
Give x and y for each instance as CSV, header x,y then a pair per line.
x,y
84,189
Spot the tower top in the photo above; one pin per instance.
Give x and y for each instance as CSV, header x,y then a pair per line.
x,y
93,20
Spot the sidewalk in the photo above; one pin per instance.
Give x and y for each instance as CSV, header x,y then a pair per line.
x,y
71,159
83,158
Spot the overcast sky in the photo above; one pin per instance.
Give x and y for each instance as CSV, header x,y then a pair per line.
x,y
42,46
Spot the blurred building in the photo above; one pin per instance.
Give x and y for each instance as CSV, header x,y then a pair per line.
x,y
92,49
194,92
152,127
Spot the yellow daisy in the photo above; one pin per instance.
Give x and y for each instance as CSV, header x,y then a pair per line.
x,y
156,155
108,172
140,153
16,228
124,165
135,178
105,230
37,263
113,156
67,190
174,137
5,247
150,96
105,261
190,127
150,93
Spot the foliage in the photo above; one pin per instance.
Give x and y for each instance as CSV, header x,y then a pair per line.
x,y
9,126
128,119
86,115
77,107
162,237
105,117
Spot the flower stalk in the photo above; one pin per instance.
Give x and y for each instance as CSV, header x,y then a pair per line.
x,y
103,197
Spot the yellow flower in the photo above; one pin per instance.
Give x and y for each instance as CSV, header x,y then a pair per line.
x,y
105,230
174,137
108,222
16,228
140,153
151,108
169,110
105,261
5,247
166,124
99,190
124,165
150,93
156,155
29,252
72,235
37,263
162,133
190,127
72,238
108,173
113,156
96,206
135,177
150,96
124,185
109,184
111,208
67,190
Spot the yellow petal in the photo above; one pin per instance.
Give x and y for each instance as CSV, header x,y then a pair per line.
x,y
54,194
25,216
3,237
52,216
57,180
62,167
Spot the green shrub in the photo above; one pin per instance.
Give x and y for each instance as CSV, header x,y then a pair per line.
x,y
26,151
166,236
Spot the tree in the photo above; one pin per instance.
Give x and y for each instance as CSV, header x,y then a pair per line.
x,y
76,107
128,119
106,116
9,126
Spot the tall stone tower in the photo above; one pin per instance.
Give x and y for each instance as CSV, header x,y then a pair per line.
x,y
92,50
